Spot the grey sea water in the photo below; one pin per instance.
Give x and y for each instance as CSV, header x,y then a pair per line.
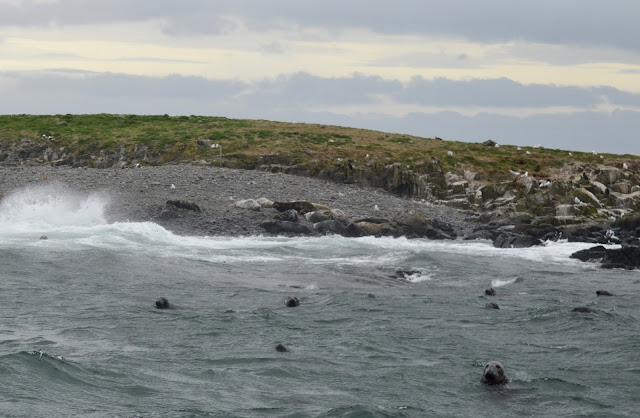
x,y
80,336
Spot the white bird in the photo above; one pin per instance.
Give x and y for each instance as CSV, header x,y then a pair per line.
x,y
514,173
525,175
594,153
577,201
570,155
44,136
601,157
537,146
366,156
497,146
450,153
376,208
528,153
625,166
545,183
50,138
519,149
173,186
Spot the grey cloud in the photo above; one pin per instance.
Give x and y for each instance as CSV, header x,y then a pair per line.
x,y
503,92
588,22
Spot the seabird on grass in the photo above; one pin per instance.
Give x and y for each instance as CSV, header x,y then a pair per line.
x,y
625,166
528,153
525,175
450,153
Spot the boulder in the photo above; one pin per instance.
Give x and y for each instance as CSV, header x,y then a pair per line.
x,y
249,204
507,240
590,254
627,257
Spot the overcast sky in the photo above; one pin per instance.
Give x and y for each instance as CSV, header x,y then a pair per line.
x,y
557,73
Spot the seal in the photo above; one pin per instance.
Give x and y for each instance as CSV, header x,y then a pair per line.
x,y
492,305
493,374
603,293
163,303
490,291
44,237
292,302
281,348
584,309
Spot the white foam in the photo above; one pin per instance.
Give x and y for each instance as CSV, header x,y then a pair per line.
x,y
502,282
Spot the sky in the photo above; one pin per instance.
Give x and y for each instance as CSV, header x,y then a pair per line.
x,y
556,73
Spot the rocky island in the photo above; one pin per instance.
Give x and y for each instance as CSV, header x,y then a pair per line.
x,y
217,176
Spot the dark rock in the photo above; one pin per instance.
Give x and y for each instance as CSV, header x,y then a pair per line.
x,y
590,254
492,305
285,227
627,257
288,215
604,293
490,291
507,240
489,143
292,302
183,204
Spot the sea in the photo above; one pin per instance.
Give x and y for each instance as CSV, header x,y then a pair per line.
x,y
385,327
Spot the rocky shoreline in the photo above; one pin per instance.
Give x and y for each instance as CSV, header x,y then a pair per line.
x,y
205,200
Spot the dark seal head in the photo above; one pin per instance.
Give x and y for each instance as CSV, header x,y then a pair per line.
x,y
603,293
490,291
163,303
492,305
292,302
493,374
44,237
281,348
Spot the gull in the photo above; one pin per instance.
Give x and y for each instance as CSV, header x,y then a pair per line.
x,y
545,183
497,146
514,173
376,208
525,175
528,153
519,149
577,201
570,155
594,153
173,186
601,157
625,166
450,153
44,136
366,156
50,138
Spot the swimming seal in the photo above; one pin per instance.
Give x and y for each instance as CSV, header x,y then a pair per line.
x,y
163,303
493,374
603,293
281,348
490,291
492,305
584,309
292,302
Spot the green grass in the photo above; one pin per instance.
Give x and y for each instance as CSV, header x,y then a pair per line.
x,y
246,139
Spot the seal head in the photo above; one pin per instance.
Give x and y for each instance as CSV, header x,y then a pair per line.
x,y
493,374
163,303
292,302
490,291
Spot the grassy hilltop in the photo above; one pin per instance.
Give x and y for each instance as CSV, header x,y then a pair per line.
x,y
174,138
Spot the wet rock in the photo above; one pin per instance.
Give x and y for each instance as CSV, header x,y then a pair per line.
x,y
507,240
590,254
627,257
